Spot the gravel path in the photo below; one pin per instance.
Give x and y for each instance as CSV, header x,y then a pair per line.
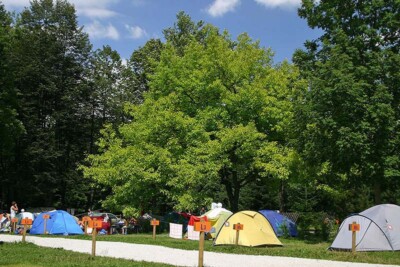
x,y
178,257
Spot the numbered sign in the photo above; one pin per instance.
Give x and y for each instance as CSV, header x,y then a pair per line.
x,y
26,221
95,224
202,226
14,220
354,227
238,227
154,222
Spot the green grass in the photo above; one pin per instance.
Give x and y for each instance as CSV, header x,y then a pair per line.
x,y
292,248
27,254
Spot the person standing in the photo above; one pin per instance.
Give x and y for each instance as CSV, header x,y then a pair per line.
x,y
13,209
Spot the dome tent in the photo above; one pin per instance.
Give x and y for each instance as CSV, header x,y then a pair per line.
x,y
257,231
279,222
59,223
379,230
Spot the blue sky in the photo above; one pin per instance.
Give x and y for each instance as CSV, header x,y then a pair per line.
x,y
126,25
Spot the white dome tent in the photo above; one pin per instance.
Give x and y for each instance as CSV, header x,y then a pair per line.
x,y
379,230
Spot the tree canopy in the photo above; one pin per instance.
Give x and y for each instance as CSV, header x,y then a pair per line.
x,y
348,121
214,120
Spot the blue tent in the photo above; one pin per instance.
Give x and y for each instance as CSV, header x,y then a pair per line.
x,y
59,223
278,222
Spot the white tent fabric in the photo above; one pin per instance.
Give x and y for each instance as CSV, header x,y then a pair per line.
x,y
215,213
379,230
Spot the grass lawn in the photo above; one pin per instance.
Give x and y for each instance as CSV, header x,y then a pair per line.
x,y
24,255
292,248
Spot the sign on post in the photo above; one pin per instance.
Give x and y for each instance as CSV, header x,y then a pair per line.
x,y
354,228
94,224
14,222
202,227
25,222
86,220
45,218
238,227
155,223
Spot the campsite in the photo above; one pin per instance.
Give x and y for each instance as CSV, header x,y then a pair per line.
x,y
242,127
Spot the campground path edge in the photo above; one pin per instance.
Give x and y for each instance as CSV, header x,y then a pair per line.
x,y
178,257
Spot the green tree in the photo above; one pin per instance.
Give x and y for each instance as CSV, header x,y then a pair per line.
x,y
141,65
50,55
217,113
10,126
348,128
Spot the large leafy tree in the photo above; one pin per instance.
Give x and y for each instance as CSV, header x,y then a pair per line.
x,y
10,126
348,126
50,55
214,120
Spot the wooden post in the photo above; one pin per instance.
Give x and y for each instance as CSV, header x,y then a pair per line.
x,y
14,224
24,234
201,249
354,227
154,222
45,217
237,238
353,240
25,222
94,233
86,221
154,231
238,227
202,227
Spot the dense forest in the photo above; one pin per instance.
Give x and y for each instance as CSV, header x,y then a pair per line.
x,y
200,117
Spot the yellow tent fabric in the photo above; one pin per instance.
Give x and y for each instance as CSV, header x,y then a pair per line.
x,y
257,231
217,217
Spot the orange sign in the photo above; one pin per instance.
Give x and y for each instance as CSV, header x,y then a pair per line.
x,y
26,221
14,220
86,219
154,222
238,227
46,216
202,226
95,224
354,227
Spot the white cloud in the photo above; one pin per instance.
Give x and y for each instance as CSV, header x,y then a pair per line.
x,y
136,32
279,3
96,12
98,31
220,7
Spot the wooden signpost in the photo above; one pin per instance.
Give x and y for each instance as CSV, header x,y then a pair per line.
x,y
202,227
14,222
86,220
45,218
25,222
238,227
354,228
94,224
155,223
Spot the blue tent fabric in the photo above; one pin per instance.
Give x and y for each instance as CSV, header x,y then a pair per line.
x,y
277,221
59,223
